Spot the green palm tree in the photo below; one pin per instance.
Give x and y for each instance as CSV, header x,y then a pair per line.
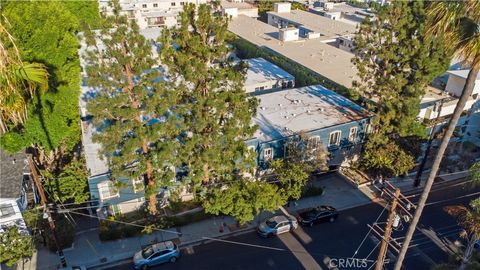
x,y
459,22
18,82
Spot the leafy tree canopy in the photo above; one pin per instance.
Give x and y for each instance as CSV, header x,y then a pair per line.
x,y
14,246
385,157
243,200
87,12
213,108
132,105
395,62
214,114
45,33
304,155
70,185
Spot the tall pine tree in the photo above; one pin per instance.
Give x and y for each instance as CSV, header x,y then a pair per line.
x,y
214,111
132,104
396,61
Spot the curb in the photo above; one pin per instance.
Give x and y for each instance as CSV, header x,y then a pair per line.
x,y
207,240
415,190
239,232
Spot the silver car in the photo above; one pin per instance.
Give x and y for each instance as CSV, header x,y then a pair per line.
x,y
156,254
277,225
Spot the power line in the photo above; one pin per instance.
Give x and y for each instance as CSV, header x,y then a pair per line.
x,y
214,239
366,235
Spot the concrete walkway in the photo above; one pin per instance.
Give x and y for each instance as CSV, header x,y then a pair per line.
x,y
89,251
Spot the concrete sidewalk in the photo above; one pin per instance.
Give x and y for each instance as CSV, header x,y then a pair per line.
x,y
89,251
405,184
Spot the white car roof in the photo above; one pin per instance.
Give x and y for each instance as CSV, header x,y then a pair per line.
x,y
279,219
162,246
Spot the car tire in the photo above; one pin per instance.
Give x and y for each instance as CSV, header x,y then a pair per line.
x,y
144,267
332,219
173,259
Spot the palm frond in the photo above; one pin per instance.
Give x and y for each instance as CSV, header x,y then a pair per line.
x,y
466,217
444,16
35,74
473,9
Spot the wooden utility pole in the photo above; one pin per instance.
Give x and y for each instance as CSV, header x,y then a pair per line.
x,y
43,198
388,232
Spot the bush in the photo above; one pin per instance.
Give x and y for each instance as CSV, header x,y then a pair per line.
x,y
179,206
111,230
188,218
310,190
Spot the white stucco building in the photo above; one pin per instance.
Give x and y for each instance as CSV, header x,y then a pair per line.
x,y
234,8
263,76
456,82
152,13
447,99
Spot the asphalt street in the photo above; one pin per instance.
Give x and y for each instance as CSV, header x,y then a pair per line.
x,y
330,245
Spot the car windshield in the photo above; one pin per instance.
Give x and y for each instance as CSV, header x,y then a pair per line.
x,y
271,223
147,252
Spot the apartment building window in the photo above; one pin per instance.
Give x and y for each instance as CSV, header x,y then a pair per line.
x,y
352,136
335,138
155,5
173,4
313,142
182,3
107,190
268,153
138,184
144,5
6,210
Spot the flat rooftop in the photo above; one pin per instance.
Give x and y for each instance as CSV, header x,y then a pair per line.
x,y
260,70
326,60
328,28
239,5
433,94
284,113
